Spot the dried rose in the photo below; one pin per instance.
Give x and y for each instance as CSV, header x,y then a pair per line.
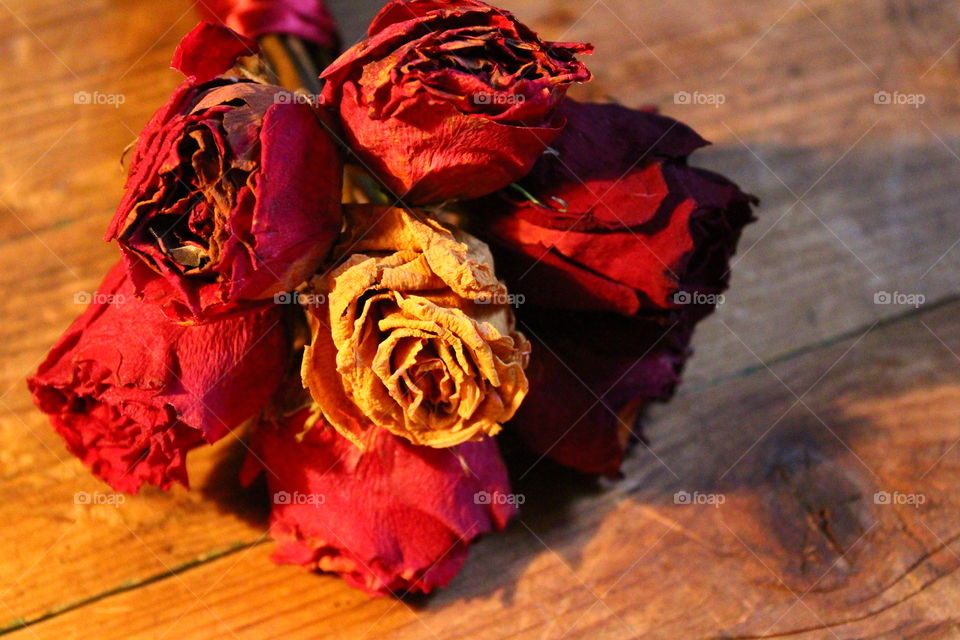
x,y
451,98
306,19
233,194
620,222
619,248
131,392
412,333
392,518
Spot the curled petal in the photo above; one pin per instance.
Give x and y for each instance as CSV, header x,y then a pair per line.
x,y
306,19
233,197
451,99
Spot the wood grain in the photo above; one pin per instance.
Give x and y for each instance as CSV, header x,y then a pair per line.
x,y
857,198
794,541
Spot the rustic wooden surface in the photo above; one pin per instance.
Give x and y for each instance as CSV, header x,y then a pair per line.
x,y
804,400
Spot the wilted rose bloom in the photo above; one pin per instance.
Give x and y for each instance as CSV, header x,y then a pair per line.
x,y
306,19
451,98
619,248
131,392
412,333
623,224
392,518
233,194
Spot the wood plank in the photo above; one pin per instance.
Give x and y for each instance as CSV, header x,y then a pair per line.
x,y
798,100
797,543
62,159
800,121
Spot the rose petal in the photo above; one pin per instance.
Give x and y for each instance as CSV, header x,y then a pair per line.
x,y
619,235
131,392
307,19
392,519
210,50
413,286
233,197
599,239
429,108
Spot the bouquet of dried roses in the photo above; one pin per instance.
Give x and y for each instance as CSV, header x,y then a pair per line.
x,y
500,257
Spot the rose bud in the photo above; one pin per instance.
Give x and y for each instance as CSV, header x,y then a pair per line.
x,y
392,518
450,98
233,194
306,19
412,333
619,248
131,392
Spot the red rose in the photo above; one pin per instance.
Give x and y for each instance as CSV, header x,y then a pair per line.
x,y
233,194
624,250
451,98
306,19
131,392
623,223
393,518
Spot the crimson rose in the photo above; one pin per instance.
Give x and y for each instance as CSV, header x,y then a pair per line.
x,y
392,517
620,222
131,392
619,248
234,190
451,98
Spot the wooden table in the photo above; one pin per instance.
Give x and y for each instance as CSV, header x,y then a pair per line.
x,y
804,400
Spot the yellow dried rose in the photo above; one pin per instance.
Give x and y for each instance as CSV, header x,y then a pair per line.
x,y
411,333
